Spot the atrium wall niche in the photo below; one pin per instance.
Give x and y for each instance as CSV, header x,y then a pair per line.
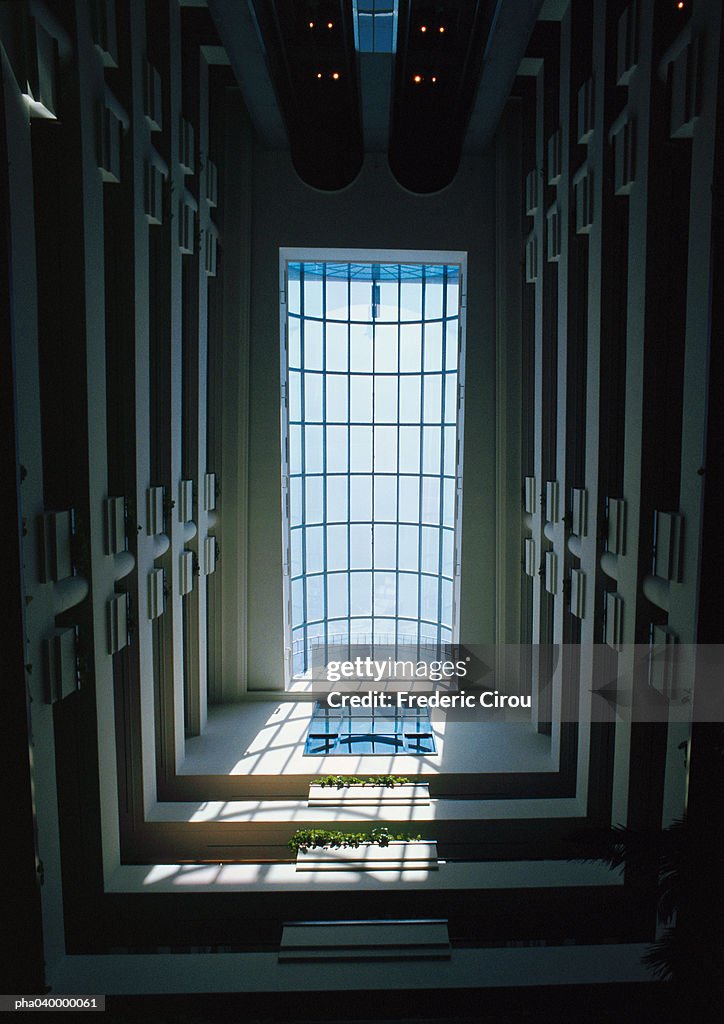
x,y
372,213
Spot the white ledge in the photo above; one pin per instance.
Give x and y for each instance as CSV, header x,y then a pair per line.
x,y
413,854
404,795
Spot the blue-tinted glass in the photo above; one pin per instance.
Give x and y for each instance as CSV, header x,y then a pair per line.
x,y
451,345
361,593
429,589
388,299
431,441
410,348
293,293
295,501
409,499
312,296
312,344
386,348
336,347
295,544
316,630
360,498
408,594
360,301
451,397
448,546
433,348
410,399
314,494
295,390
297,601
364,28
314,543
409,449
448,505
337,630
450,451
337,449
336,296
385,546
408,555
433,398
360,546
383,33
360,399
360,455
431,499
386,499
407,627
453,295
315,597
385,597
447,599
294,333
384,628
361,628
360,336
430,549
313,441
337,511
337,597
295,449
433,298
385,403
312,398
410,300
336,385
385,449
337,548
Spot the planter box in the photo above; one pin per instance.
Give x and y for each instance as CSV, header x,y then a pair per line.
x,y
409,795
411,855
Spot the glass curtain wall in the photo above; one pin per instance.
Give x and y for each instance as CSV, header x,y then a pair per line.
x,y
372,450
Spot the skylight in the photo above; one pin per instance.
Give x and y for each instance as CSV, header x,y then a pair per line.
x,y
375,24
371,421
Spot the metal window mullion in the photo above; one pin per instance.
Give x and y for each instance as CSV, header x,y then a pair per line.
x,y
325,617
397,496
442,457
302,432
421,465
375,270
349,460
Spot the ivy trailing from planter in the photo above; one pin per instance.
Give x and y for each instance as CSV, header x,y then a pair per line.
x,y
305,839
340,781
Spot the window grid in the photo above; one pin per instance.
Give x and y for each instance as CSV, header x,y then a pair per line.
x,y
382,610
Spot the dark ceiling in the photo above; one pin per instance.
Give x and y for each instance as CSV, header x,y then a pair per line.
x,y
306,86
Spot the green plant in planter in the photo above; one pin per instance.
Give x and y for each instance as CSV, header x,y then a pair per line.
x,y
305,839
340,781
